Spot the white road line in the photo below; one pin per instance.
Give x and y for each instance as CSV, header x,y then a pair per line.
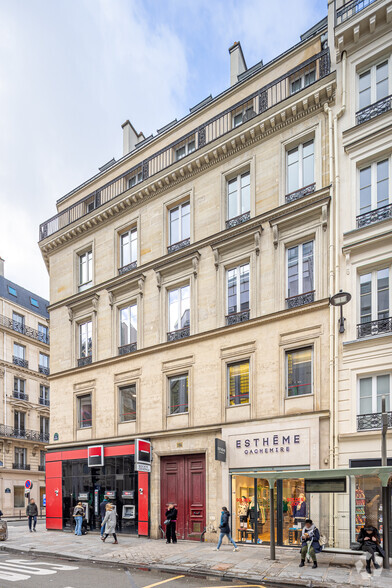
x,y
15,570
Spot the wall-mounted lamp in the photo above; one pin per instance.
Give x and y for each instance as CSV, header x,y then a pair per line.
x,y
340,299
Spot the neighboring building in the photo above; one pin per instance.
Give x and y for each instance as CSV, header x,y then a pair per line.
x,y
24,413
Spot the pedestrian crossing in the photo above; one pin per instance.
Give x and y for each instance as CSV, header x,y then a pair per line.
x,y
16,570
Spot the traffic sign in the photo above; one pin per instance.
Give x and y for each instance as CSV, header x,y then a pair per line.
x,y
28,484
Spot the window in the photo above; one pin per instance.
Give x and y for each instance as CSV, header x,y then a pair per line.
x,y
44,426
127,403
19,497
178,394
135,179
374,186
85,339
128,247
179,308
300,166
238,383
18,322
303,81
44,360
84,411
238,195
43,333
179,223
19,385
85,270
12,291
300,270
19,420
42,459
128,325
238,289
299,372
371,391
373,85
34,302
186,148
44,395
242,114
19,351
374,296
20,456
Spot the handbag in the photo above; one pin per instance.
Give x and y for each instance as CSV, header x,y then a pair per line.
x,y
322,540
355,546
166,522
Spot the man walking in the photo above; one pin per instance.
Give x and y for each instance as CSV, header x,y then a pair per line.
x,y
102,511
32,513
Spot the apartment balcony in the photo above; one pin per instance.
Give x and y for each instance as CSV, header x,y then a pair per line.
x,y
82,361
8,323
237,220
351,9
44,401
300,193
20,362
20,395
127,268
367,422
259,102
41,468
20,466
124,349
179,245
27,434
43,370
374,110
374,216
374,328
179,334
300,299
237,317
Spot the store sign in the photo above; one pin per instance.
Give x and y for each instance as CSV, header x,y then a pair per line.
x,y
95,456
142,467
331,485
220,450
142,455
270,448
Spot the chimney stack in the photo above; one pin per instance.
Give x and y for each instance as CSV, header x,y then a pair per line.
x,y
237,62
130,137
1,266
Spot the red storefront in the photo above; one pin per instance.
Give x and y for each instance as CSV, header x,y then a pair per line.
x,y
72,477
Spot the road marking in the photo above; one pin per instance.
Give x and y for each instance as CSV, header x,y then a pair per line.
x,y
164,582
15,570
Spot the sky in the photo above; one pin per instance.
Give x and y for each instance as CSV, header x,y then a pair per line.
x,y
72,71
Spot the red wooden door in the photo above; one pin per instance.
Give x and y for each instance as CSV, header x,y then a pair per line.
x,y
183,484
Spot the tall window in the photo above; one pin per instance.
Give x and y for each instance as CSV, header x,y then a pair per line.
x,y
128,325
20,456
373,85
128,247
84,411
19,351
374,296
371,391
299,372
43,333
238,383
300,166
238,195
85,339
127,403
42,459
178,394
238,289
179,308
179,223
44,360
19,420
18,322
44,395
44,426
19,385
374,186
300,270
186,148
85,270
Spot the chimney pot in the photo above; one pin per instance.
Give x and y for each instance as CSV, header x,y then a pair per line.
x,y
237,62
1,266
130,137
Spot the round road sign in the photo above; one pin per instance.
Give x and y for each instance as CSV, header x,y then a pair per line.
x,y
28,484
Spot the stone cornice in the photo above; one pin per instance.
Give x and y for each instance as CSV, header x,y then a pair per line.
x,y
25,371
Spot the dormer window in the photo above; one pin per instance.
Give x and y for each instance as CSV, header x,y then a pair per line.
x,y
185,148
136,178
303,80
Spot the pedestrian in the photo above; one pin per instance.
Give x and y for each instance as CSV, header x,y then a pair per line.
x,y
32,513
171,519
110,523
102,511
78,515
310,538
225,529
369,540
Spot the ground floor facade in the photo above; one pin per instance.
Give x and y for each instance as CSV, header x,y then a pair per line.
x,y
12,491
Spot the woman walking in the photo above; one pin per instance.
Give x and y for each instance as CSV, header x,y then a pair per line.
x,y
78,515
110,523
225,529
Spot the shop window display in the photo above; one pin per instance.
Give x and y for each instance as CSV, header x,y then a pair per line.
x,y
368,505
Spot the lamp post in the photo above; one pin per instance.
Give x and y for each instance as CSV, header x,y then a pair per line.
x,y
340,299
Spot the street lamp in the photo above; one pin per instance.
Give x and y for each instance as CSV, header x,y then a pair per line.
x,y
340,299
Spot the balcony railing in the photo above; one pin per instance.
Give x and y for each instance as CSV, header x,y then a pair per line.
x,y
260,101
375,327
20,362
237,220
85,360
124,349
237,317
44,401
41,468
300,193
20,395
374,216
179,245
127,268
5,321
374,110
366,422
12,433
350,9
179,334
300,299
20,466
43,370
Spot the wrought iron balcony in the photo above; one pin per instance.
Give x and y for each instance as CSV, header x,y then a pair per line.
x,y
85,360
127,268
179,245
20,395
20,466
5,321
375,327
300,299
260,101
44,401
300,193
179,334
374,216
373,110
350,9
237,220
41,468
124,349
43,370
29,435
237,317
20,362
366,422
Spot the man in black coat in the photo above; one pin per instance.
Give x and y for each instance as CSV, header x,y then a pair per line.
x,y
171,516
32,513
102,512
369,540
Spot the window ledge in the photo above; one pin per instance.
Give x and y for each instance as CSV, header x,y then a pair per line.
x,y
231,406
177,414
367,339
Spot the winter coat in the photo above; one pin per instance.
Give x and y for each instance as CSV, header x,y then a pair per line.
x,y
102,508
78,511
314,537
365,539
224,522
32,510
110,521
300,511
171,515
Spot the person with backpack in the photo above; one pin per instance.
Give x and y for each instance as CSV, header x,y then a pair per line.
x,y
310,543
225,529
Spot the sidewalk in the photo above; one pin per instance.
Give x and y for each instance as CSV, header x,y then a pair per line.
x,y
250,564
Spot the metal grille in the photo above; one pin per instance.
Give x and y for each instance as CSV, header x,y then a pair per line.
x,y
20,362
374,327
373,110
179,245
179,334
237,317
43,370
124,349
20,466
300,299
20,395
20,328
28,434
365,422
84,360
127,268
300,193
44,401
350,9
374,216
237,220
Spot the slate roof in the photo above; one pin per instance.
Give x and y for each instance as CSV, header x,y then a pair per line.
x,y
23,297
